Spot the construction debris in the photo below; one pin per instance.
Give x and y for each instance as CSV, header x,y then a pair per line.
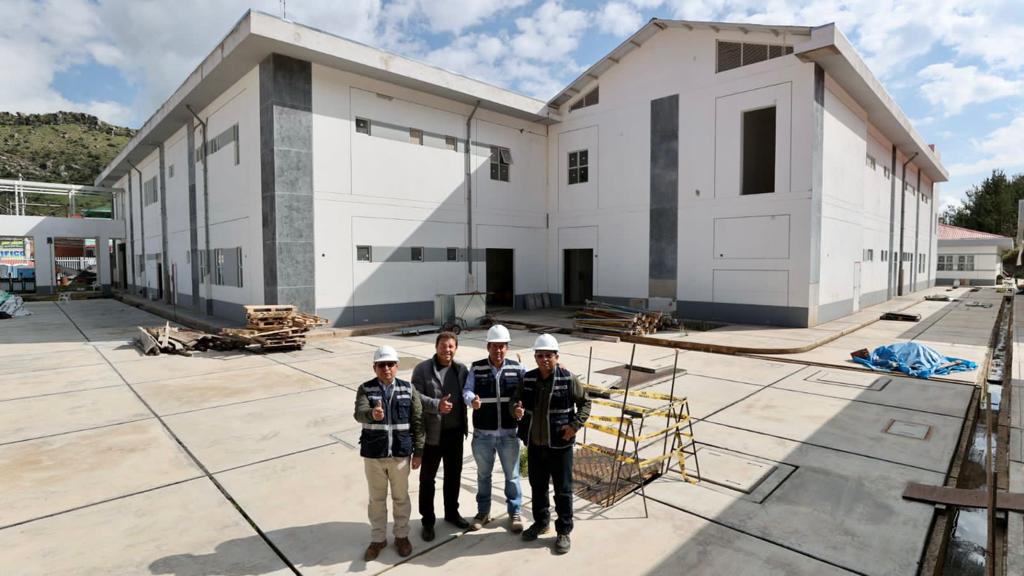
x,y
622,320
168,339
275,326
900,316
11,305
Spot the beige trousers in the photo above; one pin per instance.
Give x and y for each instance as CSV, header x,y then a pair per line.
x,y
381,473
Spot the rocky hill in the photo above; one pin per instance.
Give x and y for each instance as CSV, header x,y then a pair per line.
x,y
64,147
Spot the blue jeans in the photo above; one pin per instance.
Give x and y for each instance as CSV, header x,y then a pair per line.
x,y
507,448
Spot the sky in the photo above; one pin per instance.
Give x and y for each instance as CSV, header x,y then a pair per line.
x,y
956,67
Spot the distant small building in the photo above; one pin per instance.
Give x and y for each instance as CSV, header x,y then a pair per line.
x,y
970,256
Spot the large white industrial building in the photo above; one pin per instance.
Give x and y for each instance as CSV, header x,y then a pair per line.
x,y
737,172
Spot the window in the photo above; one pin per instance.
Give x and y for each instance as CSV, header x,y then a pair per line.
x,y
944,263
886,172
965,263
735,54
869,254
870,162
452,254
579,167
415,136
417,254
222,140
451,143
364,254
218,267
363,126
501,159
204,265
922,262
885,256
758,151
170,171
588,99
150,193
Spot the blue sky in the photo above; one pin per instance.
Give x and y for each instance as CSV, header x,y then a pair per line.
x,y
956,67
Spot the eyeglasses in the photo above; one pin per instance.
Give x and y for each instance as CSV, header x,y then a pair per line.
x,y
386,364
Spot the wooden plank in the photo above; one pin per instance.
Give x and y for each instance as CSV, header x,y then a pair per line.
x,y
962,497
146,342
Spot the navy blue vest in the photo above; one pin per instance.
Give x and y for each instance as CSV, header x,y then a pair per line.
x,y
561,409
494,395
392,436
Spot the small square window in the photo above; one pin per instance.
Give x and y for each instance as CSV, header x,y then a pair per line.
x,y
452,254
415,136
417,254
363,126
583,174
364,254
573,159
506,156
170,171
451,143
886,172
578,166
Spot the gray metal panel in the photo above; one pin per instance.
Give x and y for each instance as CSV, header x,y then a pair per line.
x,y
193,214
790,316
663,252
355,315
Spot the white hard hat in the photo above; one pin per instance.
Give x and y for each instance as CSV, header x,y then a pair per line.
x,y
385,354
546,342
498,333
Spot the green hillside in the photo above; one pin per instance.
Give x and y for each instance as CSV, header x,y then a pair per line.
x,y
63,147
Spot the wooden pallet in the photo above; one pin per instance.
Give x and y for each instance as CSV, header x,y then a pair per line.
x,y
269,310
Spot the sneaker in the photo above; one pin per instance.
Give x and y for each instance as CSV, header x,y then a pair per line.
x,y
457,521
373,550
404,546
562,544
428,533
478,522
515,523
536,529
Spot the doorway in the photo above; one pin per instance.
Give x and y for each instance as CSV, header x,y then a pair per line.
x,y
160,281
500,277
578,276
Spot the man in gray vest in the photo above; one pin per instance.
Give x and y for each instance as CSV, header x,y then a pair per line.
x,y
551,406
489,389
439,381
389,410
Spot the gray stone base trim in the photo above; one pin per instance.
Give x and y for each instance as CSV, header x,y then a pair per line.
x,y
834,310
789,316
554,299
872,298
970,282
221,309
377,313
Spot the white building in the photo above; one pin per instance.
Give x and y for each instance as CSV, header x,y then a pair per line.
x,y
969,256
741,172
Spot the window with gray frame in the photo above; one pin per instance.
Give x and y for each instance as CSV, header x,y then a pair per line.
x,y
227,264
416,254
451,143
452,254
363,126
869,254
758,151
579,167
364,254
150,192
221,141
501,162
589,99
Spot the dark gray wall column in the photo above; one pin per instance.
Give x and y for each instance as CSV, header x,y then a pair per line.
x,y
132,287
193,216
164,260
663,254
286,162
817,194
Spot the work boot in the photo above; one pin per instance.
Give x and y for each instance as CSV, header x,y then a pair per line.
x,y
478,522
404,546
457,521
428,533
562,544
536,529
515,523
373,550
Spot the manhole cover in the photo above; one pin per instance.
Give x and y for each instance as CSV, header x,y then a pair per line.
x,y
851,379
908,429
731,470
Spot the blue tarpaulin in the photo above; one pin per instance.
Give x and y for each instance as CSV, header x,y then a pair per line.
x,y
915,360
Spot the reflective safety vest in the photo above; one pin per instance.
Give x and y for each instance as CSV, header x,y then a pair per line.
x,y
495,395
561,409
392,436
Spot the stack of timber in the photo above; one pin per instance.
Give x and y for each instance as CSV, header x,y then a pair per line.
x,y
183,341
622,320
275,326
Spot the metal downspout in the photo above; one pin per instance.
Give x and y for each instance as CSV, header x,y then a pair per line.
x,y
903,216
892,227
206,212
470,284
142,222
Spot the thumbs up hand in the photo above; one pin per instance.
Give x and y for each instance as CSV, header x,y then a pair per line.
x,y
476,402
445,405
518,410
378,411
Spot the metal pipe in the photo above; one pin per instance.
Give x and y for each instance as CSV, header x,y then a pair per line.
x,y
142,221
206,211
892,226
903,217
470,285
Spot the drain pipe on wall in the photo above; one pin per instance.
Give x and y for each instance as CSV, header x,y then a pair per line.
x,y
142,226
470,283
903,217
206,211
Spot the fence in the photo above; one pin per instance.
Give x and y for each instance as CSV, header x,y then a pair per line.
x,y
76,263
24,198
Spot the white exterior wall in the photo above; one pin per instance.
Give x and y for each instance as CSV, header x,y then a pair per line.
x,y
986,262
383,191
769,265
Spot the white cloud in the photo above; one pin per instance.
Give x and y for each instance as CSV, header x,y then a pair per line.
x,y
550,34
455,16
952,88
1002,149
619,19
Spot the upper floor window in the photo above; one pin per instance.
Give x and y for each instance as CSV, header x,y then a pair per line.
x,y
579,167
588,99
363,126
870,161
501,161
758,150
735,54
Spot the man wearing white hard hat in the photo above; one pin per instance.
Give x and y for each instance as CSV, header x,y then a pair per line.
x,y
551,406
391,443
490,385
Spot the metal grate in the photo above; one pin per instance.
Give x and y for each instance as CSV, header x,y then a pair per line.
x,y
729,55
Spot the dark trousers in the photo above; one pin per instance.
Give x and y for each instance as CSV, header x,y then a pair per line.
x,y
449,450
551,465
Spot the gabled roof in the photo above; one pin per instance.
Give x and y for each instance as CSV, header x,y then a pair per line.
x,y
948,232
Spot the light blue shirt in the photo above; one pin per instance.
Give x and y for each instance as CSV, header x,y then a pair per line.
x,y
469,391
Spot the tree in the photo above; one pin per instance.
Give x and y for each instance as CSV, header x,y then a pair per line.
x,y
990,207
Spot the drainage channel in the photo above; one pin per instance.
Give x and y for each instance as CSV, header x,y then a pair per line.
x,y
972,532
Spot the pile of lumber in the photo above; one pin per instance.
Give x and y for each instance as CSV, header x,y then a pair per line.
x,y
11,305
274,326
171,340
622,320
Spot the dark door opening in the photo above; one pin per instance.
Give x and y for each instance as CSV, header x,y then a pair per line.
x,y
500,277
122,266
578,279
160,281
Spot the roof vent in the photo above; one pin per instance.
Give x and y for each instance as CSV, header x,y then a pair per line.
x,y
735,54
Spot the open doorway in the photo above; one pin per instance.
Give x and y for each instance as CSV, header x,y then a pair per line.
x,y
578,276
500,277
75,264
